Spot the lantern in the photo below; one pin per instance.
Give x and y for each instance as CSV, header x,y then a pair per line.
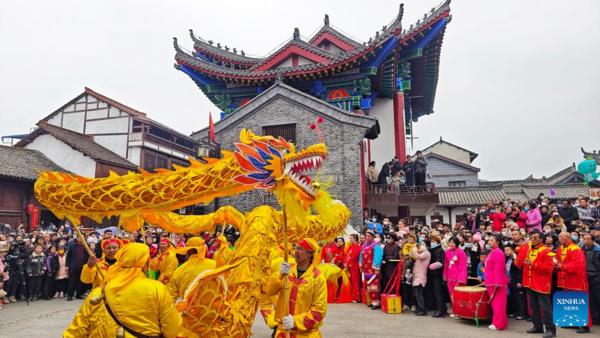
x,y
29,208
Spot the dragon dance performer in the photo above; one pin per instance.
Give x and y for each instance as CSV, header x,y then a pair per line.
x,y
308,293
224,253
165,262
268,301
89,274
129,304
370,261
188,271
571,265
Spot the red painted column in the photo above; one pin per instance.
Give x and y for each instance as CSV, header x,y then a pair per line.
x,y
399,126
362,174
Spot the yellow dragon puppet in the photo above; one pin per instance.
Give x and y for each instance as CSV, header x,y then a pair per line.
x,y
222,302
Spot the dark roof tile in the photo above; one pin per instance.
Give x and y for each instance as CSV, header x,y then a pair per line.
x,y
24,164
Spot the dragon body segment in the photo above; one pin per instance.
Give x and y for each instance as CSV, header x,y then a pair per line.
x,y
223,302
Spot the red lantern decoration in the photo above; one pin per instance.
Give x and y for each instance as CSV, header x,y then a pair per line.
x,y
29,208
313,126
319,119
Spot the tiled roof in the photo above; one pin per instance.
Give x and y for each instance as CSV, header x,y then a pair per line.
x,y
472,154
114,103
473,196
24,163
470,196
594,155
208,48
83,143
342,37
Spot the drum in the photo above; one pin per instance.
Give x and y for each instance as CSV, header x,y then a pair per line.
x,y
471,300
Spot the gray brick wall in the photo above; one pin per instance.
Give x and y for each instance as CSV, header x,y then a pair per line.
x,y
439,167
342,140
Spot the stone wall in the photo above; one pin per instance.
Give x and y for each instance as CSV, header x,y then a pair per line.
x,y
342,139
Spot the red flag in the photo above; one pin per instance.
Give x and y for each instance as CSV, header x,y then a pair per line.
x,y
211,125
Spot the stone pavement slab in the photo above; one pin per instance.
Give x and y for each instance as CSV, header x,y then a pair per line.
x,y
50,318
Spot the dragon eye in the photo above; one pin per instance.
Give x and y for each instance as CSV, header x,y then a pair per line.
x,y
284,152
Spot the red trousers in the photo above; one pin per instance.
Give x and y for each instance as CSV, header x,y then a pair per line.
x,y
355,284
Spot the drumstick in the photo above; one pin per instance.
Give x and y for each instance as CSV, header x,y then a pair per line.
x,y
473,278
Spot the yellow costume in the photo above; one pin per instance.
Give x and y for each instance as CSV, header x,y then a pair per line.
x,y
267,301
188,271
91,275
142,304
223,254
165,263
308,299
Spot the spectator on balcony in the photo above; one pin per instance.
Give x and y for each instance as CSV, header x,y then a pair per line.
x,y
398,179
372,173
385,174
420,168
396,165
408,169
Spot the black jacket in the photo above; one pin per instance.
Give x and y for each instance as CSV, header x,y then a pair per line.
x,y
52,264
36,265
437,255
569,215
72,255
385,172
396,167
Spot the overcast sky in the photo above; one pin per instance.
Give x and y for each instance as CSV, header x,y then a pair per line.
x,y
518,81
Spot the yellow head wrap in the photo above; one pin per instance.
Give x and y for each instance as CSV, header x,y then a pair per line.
x,y
131,259
222,239
193,243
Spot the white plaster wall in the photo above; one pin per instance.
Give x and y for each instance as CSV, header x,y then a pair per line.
x,y
135,155
110,126
74,122
164,150
450,152
56,120
458,211
114,143
69,108
63,155
113,112
382,148
303,61
286,63
333,48
97,114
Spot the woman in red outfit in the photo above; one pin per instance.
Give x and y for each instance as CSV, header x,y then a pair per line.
x,y
351,263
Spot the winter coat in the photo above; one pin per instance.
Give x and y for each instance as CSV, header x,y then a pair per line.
x,y
373,175
420,267
585,214
396,167
62,272
36,265
534,219
437,256
52,264
498,219
569,215
384,174
408,168
421,164
521,219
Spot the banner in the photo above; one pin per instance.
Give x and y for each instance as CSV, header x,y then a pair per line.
x,y
35,217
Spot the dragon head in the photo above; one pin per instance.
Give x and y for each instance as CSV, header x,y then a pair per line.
x,y
274,164
588,166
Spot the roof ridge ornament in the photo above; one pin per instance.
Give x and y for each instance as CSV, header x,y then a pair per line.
x,y
210,42
401,12
296,33
326,20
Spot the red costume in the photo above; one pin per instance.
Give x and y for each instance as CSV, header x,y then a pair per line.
x,y
351,262
333,248
538,275
498,219
571,270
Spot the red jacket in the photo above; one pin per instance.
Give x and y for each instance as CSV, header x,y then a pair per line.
x,y
571,262
340,257
538,275
498,218
352,257
329,248
521,220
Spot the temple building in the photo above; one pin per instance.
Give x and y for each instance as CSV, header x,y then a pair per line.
x,y
375,89
391,77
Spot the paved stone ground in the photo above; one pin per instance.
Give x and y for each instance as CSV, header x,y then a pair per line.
x,y
49,318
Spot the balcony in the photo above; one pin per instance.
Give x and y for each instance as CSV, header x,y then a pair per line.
x,y
147,137
402,195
